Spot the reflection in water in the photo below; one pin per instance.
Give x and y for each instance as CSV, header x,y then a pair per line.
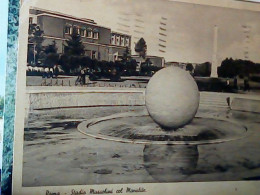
x,y
169,163
248,117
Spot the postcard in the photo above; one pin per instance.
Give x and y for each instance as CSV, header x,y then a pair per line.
x,y
137,97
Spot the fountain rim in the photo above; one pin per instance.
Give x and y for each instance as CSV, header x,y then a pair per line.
x,y
84,125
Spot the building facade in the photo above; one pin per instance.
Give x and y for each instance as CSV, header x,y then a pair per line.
x,y
154,60
176,64
100,42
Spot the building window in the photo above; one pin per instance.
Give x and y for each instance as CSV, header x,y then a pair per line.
x,y
30,20
122,41
94,55
68,30
113,39
117,40
89,33
76,28
115,55
127,42
82,32
95,35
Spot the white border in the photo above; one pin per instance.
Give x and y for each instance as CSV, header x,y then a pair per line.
x,y
201,188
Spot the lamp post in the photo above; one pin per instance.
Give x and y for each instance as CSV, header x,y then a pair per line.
x,y
215,53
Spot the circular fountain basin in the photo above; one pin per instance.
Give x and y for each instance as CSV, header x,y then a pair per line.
x,y
139,128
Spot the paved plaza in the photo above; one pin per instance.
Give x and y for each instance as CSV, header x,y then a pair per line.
x,y
133,82
56,153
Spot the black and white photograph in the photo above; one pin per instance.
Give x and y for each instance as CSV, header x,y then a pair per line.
x,y
121,92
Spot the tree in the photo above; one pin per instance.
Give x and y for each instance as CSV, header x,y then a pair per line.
x,y
189,68
35,40
52,48
141,48
127,65
126,55
74,45
64,62
52,57
86,62
203,70
74,51
131,67
230,68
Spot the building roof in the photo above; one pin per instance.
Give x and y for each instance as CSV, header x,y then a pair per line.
x,y
149,56
119,33
43,11
174,62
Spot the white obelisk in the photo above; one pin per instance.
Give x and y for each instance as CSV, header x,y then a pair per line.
x,y
214,67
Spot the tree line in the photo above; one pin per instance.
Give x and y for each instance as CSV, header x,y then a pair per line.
x,y
236,67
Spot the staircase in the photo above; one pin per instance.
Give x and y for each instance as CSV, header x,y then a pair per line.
x,y
214,99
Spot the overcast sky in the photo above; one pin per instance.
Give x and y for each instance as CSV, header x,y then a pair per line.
x,y
189,27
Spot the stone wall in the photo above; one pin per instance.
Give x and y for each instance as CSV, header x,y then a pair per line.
x,y
65,97
82,98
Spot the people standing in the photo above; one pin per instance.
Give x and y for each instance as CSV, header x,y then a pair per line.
x,y
235,83
246,84
87,76
56,70
46,72
51,72
83,76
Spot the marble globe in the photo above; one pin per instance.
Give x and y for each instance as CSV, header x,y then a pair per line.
x,y
172,98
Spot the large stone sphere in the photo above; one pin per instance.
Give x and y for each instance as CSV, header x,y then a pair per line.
x,y
172,97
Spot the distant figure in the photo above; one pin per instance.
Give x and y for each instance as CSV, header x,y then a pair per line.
x,y
87,71
228,82
42,70
235,83
48,72
45,73
83,75
56,71
114,77
51,72
228,102
246,84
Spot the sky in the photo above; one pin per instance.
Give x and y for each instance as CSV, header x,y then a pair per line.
x,y
3,39
189,27
177,31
